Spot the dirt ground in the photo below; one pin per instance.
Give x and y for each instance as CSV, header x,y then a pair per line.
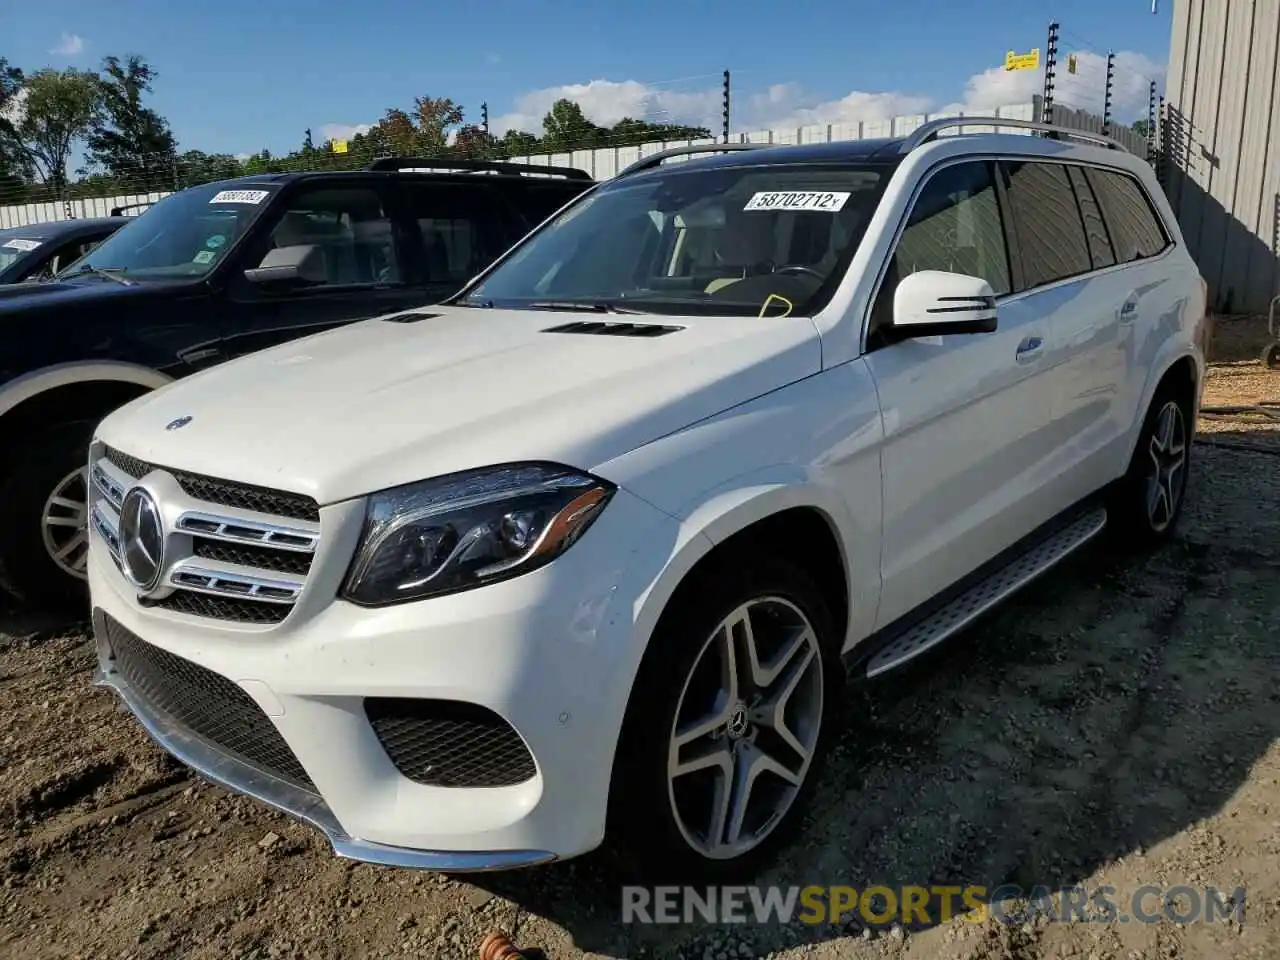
x,y
1118,725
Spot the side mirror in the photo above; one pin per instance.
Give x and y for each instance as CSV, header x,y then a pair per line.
x,y
302,262
932,302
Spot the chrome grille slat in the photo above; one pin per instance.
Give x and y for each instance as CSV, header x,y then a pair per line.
x,y
223,559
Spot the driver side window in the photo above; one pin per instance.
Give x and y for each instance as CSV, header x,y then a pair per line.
x,y
351,231
955,226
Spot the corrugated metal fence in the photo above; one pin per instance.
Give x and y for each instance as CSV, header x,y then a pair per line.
x,y
605,163
1221,138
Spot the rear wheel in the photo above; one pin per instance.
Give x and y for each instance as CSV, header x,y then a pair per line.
x,y
1271,356
727,725
44,540
1147,502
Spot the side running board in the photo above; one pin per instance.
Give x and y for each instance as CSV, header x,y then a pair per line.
x,y
986,593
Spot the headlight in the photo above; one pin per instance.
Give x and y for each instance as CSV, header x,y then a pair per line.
x,y
469,529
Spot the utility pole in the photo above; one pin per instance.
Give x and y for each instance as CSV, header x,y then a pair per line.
x,y
725,131
1106,99
1050,71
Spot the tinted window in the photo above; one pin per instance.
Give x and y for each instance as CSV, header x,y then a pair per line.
x,y
537,201
350,230
461,227
1135,229
1094,227
1051,236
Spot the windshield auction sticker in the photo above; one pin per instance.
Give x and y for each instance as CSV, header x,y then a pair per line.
x,y
245,196
817,200
26,246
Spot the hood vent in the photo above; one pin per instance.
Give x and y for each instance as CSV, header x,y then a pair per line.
x,y
410,317
598,328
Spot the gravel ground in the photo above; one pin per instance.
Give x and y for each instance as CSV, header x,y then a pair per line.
x,y
1116,725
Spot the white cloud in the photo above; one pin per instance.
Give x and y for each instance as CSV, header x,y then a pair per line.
x,y
70,45
342,131
788,105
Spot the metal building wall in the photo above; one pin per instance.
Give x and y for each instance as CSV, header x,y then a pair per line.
x,y
1221,145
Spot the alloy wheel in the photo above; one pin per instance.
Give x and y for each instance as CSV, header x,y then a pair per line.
x,y
1166,477
746,728
64,523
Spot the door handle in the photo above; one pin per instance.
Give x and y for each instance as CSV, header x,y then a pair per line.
x,y
1029,349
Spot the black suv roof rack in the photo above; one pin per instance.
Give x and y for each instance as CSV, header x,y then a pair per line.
x,y
119,211
929,130
477,166
655,159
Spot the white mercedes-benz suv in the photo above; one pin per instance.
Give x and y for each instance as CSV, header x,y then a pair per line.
x,y
591,548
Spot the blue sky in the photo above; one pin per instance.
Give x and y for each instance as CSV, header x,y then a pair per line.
x,y
237,76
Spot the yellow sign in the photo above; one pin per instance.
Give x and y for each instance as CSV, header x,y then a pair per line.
x,y
1072,63
339,146
1022,61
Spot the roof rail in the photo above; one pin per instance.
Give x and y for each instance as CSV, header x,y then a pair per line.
x,y
119,211
476,166
928,131
655,159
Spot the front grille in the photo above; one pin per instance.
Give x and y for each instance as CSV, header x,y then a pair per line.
x,y
204,704
447,743
248,555
197,604
249,568
243,496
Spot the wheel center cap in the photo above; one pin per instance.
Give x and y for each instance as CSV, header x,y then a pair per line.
x,y
739,723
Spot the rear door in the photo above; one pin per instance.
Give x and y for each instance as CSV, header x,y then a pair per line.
x,y
964,414
363,245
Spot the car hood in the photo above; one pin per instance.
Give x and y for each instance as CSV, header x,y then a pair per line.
x,y
20,297
381,403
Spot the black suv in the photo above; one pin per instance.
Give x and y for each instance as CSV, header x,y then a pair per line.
x,y
212,273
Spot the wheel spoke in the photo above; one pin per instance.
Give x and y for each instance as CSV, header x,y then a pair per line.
x,y
67,504
716,756
764,675
752,763
71,545
772,711
64,521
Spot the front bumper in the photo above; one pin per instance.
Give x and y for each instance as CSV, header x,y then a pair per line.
x,y
552,653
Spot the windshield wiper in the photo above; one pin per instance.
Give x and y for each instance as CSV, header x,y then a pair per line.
x,y
581,306
111,273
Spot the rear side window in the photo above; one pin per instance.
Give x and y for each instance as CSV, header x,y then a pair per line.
x,y
1050,230
1135,229
461,226
1094,227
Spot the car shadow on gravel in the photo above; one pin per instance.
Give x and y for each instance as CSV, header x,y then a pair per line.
x,y
1112,705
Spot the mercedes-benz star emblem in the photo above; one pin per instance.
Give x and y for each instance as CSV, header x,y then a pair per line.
x,y
141,540
177,424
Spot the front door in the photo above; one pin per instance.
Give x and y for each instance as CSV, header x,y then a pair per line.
x,y
361,246
964,414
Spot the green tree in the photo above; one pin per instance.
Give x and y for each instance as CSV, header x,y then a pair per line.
x,y
12,162
1140,127
132,142
471,142
517,143
436,116
566,127
58,109
196,167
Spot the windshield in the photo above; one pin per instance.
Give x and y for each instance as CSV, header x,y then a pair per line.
x,y
734,240
14,246
183,236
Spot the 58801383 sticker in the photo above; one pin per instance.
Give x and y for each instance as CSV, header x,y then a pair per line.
x,y
819,201
26,246
240,196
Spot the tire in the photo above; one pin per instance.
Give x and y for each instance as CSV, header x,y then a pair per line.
x,y
1141,517
1271,355
56,462
657,821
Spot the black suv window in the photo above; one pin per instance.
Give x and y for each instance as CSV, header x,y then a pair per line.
x,y
1050,230
461,226
1135,228
351,230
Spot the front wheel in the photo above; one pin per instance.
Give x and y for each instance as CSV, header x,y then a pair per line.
x,y
727,725
1271,355
1147,502
44,541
